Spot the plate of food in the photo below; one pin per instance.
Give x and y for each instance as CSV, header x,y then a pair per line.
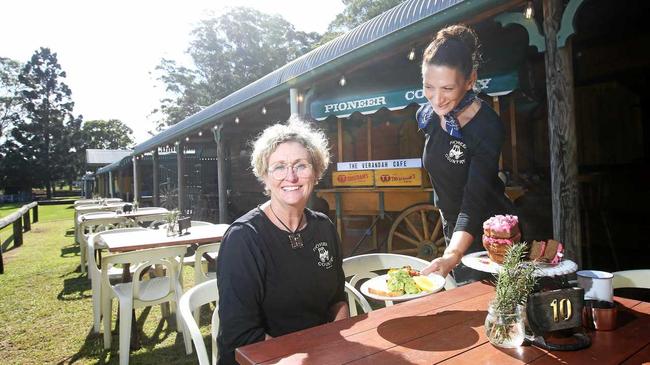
x,y
402,284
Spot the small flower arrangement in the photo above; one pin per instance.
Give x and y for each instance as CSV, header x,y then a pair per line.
x,y
172,221
515,281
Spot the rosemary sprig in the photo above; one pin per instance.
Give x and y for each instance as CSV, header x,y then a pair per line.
x,y
515,282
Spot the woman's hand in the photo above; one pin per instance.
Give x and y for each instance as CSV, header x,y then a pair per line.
x,y
459,243
442,265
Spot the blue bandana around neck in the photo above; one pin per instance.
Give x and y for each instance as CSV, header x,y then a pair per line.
x,y
451,119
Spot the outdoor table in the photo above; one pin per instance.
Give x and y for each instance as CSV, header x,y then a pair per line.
x,y
139,240
445,327
95,201
110,214
91,208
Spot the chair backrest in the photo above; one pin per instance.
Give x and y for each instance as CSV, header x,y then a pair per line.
x,y
363,267
167,257
632,279
197,296
93,270
200,275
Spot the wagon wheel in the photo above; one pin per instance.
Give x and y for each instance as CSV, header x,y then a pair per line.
x,y
168,197
417,231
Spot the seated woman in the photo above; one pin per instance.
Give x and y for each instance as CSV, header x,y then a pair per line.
x,y
279,268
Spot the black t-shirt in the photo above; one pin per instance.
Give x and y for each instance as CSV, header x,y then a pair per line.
x,y
265,286
464,171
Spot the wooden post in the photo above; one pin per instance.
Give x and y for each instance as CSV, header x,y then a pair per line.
x,y
562,135
181,172
35,213
136,179
26,223
222,184
18,232
369,137
339,136
513,135
156,178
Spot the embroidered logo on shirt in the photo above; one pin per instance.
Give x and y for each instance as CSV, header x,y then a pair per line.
x,y
456,154
325,260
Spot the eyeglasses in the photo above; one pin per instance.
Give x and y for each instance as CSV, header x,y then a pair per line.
x,y
280,171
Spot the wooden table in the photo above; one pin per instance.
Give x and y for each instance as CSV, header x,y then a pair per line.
x,y
445,327
138,240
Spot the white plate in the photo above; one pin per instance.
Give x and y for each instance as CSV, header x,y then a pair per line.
x,y
379,283
481,261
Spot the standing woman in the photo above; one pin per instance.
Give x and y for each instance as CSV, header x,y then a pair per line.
x,y
279,268
463,140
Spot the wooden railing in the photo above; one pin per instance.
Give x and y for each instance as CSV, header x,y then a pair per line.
x,y
21,222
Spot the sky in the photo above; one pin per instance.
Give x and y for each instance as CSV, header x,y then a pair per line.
x,y
110,49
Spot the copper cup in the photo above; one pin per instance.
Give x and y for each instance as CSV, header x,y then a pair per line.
x,y
599,315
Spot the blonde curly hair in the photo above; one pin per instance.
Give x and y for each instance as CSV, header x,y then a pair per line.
x,y
295,130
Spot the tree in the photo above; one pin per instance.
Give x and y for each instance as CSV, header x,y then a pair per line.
x,y
9,71
106,134
228,52
44,137
356,12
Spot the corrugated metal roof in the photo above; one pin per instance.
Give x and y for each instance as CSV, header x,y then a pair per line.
x,y
406,16
105,157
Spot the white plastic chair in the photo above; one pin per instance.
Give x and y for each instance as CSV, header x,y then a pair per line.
x,y
88,226
140,293
191,301
363,267
355,297
210,249
95,273
632,279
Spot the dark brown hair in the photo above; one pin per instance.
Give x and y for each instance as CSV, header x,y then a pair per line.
x,y
455,46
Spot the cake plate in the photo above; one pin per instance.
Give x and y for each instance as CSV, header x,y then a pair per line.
x,y
481,261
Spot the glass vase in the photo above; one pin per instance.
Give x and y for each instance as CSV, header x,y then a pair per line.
x,y
505,328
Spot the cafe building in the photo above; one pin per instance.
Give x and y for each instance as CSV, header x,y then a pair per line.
x,y
566,77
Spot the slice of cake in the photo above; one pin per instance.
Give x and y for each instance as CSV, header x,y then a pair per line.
x,y
548,252
499,233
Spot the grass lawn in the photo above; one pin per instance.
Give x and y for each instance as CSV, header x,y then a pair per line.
x,y
46,307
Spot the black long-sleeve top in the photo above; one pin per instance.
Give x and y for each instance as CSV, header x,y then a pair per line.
x,y
265,286
464,171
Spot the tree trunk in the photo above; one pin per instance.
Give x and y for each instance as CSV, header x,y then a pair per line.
x,y
562,134
48,189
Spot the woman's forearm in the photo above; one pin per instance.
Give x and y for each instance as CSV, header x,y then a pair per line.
x,y
339,310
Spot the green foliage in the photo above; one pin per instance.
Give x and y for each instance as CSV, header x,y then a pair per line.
x,y
228,52
9,85
106,134
516,280
43,141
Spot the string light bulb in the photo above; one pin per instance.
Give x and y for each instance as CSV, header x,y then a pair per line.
x,y
264,110
300,98
236,120
529,12
342,81
187,139
411,55
200,133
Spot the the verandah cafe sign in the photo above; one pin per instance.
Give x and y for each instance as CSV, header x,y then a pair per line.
x,y
400,98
